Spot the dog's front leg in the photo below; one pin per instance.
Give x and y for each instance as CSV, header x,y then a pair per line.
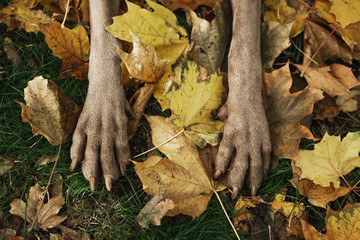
x,y
246,133
100,140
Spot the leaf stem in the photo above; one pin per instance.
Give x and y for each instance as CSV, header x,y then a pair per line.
x,y
156,147
227,216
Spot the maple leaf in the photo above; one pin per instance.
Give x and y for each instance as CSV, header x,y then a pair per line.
x,y
335,79
158,28
187,4
284,111
182,177
196,118
317,195
143,62
275,39
331,159
72,46
210,38
346,11
45,217
48,110
20,15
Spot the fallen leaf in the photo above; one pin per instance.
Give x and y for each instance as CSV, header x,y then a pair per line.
x,y
288,209
274,39
11,51
210,38
243,214
158,28
182,177
143,63
349,102
326,108
317,195
335,79
310,232
6,232
5,164
284,111
344,224
196,118
346,11
47,217
154,211
20,15
49,111
71,46
331,159
326,47
188,4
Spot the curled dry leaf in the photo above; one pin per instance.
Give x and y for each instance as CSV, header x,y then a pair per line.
x,y
49,111
211,38
72,46
335,79
196,119
158,28
284,110
330,160
182,177
143,63
154,211
47,216
317,195
274,39
19,15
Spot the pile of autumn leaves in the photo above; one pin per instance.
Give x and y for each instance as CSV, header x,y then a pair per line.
x,y
192,88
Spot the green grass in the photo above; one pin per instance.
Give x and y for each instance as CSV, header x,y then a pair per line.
x,y
102,214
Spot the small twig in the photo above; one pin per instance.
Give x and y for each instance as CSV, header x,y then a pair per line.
x,y
156,147
66,13
46,189
227,216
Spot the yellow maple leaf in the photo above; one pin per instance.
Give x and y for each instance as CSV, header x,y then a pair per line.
x,y
331,159
143,62
158,28
346,11
72,46
181,178
19,14
48,110
193,102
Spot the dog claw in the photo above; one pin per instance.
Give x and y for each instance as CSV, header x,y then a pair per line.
x,y
108,180
92,183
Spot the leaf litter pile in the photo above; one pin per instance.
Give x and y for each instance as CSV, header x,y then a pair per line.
x,y
184,68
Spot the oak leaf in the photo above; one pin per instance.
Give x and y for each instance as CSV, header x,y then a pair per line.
x,y
143,62
41,216
210,38
335,79
284,110
181,177
193,102
20,15
317,195
49,111
72,46
330,160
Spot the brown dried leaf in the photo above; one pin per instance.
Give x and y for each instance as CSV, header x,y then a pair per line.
x,y
332,49
49,111
20,15
326,108
349,102
274,39
181,178
317,195
47,217
71,46
335,79
284,111
154,211
11,51
5,164
310,232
